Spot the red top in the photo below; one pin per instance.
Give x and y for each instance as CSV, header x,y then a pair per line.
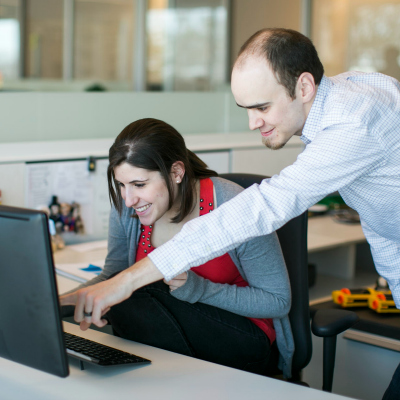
x,y
219,270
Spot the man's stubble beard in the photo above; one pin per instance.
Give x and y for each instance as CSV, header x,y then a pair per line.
x,y
273,146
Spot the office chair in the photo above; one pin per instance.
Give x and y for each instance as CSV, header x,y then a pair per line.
x,y
293,240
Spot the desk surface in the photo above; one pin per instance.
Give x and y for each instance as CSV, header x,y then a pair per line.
x,y
325,233
170,376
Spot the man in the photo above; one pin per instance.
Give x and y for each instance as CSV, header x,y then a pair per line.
x,y
351,127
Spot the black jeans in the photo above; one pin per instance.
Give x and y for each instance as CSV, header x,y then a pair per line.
x,y
154,317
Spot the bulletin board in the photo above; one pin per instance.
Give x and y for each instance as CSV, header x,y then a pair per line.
x,y
71,181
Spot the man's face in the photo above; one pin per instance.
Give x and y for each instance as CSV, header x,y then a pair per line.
x,y
269,107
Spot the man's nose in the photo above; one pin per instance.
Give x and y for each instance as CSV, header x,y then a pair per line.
x,y
255,122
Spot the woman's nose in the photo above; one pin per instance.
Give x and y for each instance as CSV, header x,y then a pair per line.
x,y
131,199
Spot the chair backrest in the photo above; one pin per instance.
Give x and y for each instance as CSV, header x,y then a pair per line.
x,y
293,240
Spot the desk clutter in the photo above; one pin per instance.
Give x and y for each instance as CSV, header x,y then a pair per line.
x,y
76,194
83,271
63,217
335,206
382,324
66,216
379,299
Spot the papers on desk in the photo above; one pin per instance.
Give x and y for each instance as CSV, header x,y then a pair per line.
x,y
81,272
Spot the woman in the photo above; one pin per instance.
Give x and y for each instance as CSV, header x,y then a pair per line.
x,y
231,310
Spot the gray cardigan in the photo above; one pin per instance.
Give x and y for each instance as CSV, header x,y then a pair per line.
x,y
259,261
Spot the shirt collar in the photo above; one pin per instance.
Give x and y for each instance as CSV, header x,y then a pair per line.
x,y
311,127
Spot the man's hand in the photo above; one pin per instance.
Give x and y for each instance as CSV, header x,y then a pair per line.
x,y
177,282
92,302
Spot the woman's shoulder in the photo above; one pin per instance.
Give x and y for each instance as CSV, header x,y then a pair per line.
x,y
225,189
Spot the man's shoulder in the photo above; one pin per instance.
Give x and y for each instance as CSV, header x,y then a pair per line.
x,y
354,95
354,83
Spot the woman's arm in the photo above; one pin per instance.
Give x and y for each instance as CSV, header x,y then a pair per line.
x,y
260,262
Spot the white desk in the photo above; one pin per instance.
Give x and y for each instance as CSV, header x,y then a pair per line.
x,y
170,376
332,246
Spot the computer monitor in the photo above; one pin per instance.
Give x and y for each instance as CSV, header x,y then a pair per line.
x,y
30,324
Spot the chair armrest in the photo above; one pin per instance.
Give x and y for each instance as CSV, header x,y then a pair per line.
x,y
327,323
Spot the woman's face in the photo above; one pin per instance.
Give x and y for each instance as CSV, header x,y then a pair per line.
x,y
144,191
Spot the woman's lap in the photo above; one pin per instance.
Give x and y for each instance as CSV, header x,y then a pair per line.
x,y
154,317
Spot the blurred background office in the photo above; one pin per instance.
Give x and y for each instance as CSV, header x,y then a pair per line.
x,y
73,73
179,45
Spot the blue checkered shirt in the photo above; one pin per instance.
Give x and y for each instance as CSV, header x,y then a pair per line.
x,y
352,137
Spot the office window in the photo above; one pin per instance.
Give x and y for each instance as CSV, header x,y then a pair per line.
x,y
114,44
361,35
9,40
103,40
44,39
186,44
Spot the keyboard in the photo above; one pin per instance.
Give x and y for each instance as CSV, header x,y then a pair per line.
x,y
100,354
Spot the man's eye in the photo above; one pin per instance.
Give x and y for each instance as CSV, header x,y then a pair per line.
x,y
262,108
139,185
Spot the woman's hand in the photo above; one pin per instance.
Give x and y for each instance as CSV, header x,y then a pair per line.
x,y
177,282
92,302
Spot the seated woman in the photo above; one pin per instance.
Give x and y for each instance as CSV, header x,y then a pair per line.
x,y
233,309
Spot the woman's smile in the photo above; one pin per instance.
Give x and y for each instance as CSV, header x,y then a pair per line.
x,y
141,210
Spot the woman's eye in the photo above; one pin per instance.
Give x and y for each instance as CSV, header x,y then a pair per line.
x,y
262,108
139,185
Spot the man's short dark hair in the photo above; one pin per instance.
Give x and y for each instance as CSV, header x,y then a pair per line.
x,y
288,52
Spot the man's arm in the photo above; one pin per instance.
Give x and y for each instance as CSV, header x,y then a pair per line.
x,y
337,156
98,299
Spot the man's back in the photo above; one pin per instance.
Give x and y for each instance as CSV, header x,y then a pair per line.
x,y
355,124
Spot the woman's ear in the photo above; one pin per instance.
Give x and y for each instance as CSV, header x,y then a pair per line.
x,y
177,171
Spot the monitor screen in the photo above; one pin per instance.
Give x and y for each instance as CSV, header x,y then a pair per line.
x,y
30,329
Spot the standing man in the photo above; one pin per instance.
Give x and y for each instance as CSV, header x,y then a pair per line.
x,y
351,127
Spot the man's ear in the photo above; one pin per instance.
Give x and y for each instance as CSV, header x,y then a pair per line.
x,y
177,171
306,87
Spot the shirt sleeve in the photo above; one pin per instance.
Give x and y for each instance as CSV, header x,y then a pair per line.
x,y
385,253
337,156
